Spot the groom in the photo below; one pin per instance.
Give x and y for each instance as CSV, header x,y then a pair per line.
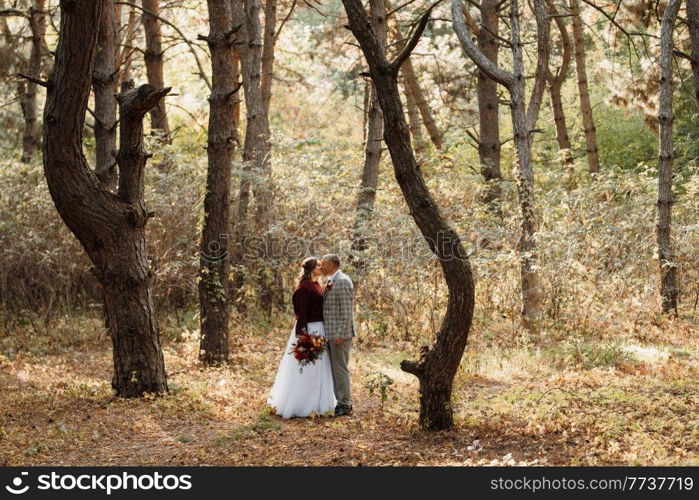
x,y
338,319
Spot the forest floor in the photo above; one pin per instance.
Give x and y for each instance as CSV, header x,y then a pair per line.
x,y
538,403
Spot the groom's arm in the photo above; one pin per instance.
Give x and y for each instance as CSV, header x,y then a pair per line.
x,y
345,297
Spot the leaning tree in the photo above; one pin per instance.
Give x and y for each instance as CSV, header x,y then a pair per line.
x,y
438,364
110,227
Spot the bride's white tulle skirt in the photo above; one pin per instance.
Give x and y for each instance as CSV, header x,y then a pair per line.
x,y
305,394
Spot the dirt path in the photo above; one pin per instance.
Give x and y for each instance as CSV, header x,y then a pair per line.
x,y
57,409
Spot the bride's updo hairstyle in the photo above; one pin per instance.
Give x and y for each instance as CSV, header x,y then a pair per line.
x,y
308,265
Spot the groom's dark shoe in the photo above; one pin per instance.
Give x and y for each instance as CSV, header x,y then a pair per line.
x,y
342,410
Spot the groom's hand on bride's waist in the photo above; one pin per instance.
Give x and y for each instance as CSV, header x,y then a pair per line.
x,y
339,341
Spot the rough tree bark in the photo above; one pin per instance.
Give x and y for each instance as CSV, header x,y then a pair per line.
x,y
411,81
585,106
374,139
153,57
413,119
257,175
104,86
693,23
438,364
267,61
488,104
523,122
32,133
666,254
236,105
111,228
555,83
214,257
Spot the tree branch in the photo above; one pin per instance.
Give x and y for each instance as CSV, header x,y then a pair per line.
x,y
13,13
43,83
394,67
491,70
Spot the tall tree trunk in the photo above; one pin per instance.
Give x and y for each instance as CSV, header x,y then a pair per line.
x,y
585,106
413,119
693,23
236,104
374,139
124,56
153,57
666,254
523,122
410,78
31,136
267,62
555,82
488,107
104,86
111,228
438,365
214,260
256,176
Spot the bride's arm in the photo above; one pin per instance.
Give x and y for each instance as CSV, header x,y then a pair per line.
x,y
301,303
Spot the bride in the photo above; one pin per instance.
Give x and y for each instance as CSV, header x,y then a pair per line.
x,y
307,393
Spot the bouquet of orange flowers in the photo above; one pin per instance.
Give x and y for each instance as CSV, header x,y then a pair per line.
x,y
308,348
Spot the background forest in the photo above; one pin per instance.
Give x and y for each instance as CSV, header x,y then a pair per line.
x,y
602,368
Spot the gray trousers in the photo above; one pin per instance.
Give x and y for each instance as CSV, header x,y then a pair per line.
x,y
339,359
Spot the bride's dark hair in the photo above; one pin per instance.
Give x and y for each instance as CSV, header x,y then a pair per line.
x,y
308,265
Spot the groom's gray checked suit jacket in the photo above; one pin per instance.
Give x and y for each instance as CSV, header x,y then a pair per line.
x,y
338,308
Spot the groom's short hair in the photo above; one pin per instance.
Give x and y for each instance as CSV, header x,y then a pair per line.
x,y
332,258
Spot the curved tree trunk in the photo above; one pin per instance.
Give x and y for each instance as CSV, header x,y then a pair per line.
x,y
373,143
111,228
104,87
438,365
153,57
488,107
585,106
666,254
31,137
214,258
555,82
559,120
523,121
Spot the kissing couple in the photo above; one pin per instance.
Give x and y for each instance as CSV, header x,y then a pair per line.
x,y
321,388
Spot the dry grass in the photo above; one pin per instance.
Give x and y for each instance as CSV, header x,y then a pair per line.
x,y
591,402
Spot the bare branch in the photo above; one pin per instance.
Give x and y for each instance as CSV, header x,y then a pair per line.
x,y
284,21
612,19
43,83
394,67
13,13
179,32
